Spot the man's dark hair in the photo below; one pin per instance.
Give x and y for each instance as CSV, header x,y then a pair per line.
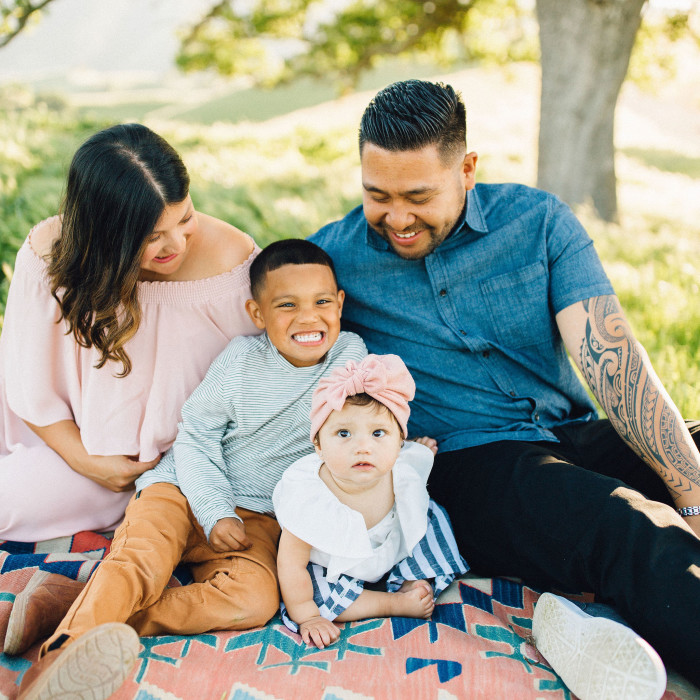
x,y
290,251
412,114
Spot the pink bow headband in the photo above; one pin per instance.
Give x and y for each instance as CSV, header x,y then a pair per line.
x,y
384,377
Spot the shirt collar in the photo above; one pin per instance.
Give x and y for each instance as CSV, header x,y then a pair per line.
x,y
475,213
472,215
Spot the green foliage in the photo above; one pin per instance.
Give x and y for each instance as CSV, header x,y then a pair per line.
x,y
37,138
344,44
669,161
654,61
15,14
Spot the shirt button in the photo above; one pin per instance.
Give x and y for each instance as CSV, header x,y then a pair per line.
x,y
512,393
443,292
463,332
536,417
486,353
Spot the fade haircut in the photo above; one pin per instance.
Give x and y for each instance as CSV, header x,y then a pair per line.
x,y
412,114
290,251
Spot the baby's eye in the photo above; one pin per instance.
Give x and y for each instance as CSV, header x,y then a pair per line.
x,y
343,433
379,433
286,305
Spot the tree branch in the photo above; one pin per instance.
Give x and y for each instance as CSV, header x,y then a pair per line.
x,y
21,12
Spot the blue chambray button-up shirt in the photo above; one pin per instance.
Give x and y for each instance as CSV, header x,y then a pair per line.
x,y
474,320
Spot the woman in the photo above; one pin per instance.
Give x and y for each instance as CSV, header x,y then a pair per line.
x,y
116,309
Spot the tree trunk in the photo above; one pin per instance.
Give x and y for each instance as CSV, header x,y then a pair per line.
x,y
586,47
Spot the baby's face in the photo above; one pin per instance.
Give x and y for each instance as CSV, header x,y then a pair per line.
x,y
359,444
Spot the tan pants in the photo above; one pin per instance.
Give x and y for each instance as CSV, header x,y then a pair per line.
x,y
232,590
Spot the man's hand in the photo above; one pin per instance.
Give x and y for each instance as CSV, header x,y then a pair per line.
x,y
228,535
319,631
117,472
429,442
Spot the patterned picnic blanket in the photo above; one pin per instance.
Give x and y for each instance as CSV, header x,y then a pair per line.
x,y
475,646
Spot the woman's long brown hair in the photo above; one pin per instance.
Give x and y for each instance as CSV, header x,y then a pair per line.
x,y
119,183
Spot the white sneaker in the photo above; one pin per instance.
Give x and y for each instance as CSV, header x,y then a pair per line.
x,y
597,658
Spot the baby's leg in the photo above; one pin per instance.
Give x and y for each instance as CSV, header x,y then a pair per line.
x,y
413,599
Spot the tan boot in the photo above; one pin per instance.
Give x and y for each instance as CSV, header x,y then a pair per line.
x,y
39,609
92,667
4,620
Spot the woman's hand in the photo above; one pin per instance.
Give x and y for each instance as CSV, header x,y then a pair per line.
x,y
319,631
228,535
116,472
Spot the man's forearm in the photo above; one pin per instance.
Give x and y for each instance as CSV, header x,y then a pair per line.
x,y
620,375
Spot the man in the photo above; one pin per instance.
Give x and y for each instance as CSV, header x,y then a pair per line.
x,y
481,289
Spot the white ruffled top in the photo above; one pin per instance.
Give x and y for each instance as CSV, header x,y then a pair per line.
x,y
339,538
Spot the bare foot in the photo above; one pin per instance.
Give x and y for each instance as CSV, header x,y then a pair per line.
x,y
413,599
428,442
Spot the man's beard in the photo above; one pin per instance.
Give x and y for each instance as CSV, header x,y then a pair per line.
x,y
433,241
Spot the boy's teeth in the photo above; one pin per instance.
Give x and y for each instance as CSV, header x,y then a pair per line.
x,y
308,337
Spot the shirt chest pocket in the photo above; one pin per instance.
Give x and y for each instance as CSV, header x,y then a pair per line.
x,y
518,305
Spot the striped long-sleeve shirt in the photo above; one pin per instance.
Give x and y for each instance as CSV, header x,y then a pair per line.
x,y
243,426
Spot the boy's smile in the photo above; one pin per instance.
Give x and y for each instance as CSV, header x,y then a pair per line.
x,y
299,307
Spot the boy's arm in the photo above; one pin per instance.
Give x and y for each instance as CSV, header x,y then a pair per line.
x,y
298,593
199,465
619,372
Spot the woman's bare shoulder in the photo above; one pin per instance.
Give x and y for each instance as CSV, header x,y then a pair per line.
x,y
225,244
44,234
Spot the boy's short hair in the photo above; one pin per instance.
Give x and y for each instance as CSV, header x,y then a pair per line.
x,y
290,251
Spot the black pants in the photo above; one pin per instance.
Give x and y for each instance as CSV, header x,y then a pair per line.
x,y
584,514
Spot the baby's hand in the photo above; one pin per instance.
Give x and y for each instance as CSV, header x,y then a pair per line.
x,y
319,631
428,442
228,535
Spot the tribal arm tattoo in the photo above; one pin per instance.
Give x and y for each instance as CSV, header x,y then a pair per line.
x,y
620,375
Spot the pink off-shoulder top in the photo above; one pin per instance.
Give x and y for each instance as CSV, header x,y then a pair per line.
x,y
47,377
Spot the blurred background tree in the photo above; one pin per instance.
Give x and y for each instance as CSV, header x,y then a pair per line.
x,y
584,49
14,15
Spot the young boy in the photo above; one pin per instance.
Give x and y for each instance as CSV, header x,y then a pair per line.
x,y
209,501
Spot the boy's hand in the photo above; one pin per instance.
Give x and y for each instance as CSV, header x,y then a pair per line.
x,y
428,442
319,631
228,535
